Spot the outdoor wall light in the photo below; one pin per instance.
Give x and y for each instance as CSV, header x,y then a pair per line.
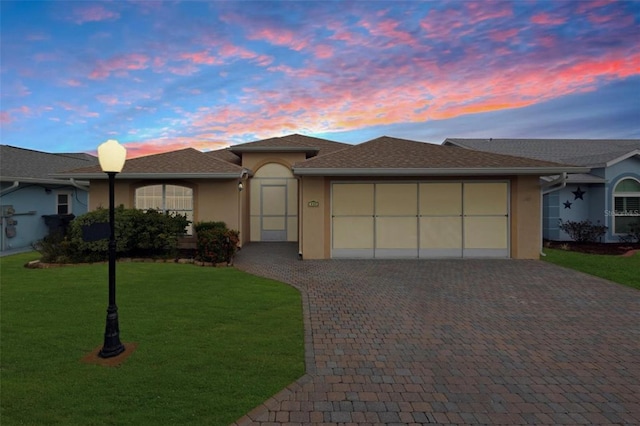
x,y
112,156
240,186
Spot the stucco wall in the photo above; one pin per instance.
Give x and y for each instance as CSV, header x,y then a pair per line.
x,y
254,160
314,212
525,217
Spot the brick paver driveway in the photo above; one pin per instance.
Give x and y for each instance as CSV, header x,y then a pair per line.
x,y
455,341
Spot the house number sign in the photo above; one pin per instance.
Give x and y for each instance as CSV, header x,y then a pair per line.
x,y
313,204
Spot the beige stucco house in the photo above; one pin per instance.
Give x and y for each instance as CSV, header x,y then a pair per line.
x,y
385,198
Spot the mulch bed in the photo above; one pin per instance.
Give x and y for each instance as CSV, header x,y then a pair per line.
x,y
115,361
614,249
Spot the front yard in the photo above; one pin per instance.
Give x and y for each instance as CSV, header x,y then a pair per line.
x,y
623,270
213,343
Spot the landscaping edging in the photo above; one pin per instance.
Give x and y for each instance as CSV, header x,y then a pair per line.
x,y
37,264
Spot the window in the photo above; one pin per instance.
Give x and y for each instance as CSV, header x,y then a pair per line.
x,y
63,203
626,202
168,199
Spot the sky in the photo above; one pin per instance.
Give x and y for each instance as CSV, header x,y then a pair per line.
x,y
166,75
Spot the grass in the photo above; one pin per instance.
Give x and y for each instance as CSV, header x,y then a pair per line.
x,y
623,270
213,343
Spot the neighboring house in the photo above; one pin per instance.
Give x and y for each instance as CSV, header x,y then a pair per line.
x,y
608,194
29,195
383,198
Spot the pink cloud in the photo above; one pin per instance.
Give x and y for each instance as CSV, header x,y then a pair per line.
x,y
546,19
165,144
5,117
80,110
280,37
503,35
93,13
202,57
389,28
73,82
130,62
108,99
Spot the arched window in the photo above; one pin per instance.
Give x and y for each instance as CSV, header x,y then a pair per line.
x,y
626,201
168,199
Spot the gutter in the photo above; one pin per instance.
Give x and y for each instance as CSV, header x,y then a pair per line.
x,y
103,176
562,180
14,186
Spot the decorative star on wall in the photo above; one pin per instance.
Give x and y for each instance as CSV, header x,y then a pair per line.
x,y
567,204
578,193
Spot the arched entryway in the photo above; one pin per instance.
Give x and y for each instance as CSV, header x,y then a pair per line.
x,y
274,204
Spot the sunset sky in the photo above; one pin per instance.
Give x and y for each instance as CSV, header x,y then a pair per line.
x,y
159,76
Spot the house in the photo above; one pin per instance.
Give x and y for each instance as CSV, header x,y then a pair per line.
x,y
31,201
609,193
385,198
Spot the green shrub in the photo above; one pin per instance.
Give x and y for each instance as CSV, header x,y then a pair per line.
x,y
137,233
583,231
215,242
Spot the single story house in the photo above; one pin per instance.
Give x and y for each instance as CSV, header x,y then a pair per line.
x,y
385,198
609,193
31,201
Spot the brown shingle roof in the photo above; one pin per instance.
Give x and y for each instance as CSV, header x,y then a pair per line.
x,y
225,154
387,153
323,146
187,161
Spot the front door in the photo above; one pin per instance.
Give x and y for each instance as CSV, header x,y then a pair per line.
x,y
273,223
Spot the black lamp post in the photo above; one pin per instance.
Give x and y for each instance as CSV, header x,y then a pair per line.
x,y
112,156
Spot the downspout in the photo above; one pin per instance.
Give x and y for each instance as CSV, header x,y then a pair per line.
x,y
562,180
243,178
14,186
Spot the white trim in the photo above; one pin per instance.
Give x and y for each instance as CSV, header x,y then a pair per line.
x,y
623,157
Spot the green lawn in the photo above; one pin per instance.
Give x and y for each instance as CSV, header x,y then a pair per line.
x,y
623,270
213,343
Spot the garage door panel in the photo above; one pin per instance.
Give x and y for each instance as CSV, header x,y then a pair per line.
x,y
485,233
352,199
396,199
353,233
396,233
485,198
441,232
441,198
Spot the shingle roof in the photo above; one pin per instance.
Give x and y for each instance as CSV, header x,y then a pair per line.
x,y
404,157
578,152
323,146
185,162
225,154
23,163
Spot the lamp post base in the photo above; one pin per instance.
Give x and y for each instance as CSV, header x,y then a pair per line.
x,y
112,345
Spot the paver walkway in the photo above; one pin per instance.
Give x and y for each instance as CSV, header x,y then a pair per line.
x,y
455,342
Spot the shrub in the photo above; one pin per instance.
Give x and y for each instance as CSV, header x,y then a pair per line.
x,y
215,242
138,234
583,231
633,235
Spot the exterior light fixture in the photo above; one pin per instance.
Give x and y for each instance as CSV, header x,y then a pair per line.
x,y
240,186
112,156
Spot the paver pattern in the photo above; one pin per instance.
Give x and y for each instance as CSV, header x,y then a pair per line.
x,y
455,342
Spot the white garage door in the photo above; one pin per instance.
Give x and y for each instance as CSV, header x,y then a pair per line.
x,y
410,220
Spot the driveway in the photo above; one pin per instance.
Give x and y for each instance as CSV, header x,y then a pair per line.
x,y
455,342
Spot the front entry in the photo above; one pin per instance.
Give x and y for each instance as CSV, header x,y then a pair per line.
x,y
274,204
273,226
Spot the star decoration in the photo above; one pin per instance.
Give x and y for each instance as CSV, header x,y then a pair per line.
x,y
578,193
567,204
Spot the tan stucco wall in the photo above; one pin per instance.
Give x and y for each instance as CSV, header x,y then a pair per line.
x,y
314,239
213,200
525,217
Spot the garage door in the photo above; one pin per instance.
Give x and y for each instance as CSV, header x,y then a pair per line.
x,y
410,220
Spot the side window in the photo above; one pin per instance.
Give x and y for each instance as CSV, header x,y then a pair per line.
x,y
63,203
626,202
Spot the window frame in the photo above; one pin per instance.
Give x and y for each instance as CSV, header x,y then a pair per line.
x,y
69,202
622,195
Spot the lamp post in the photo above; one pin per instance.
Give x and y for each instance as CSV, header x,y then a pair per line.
x,y
112,156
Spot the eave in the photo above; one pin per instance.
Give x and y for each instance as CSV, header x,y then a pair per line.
x,y
64,180
480,171
157,176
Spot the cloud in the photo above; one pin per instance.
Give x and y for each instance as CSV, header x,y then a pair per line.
x,y
158,145
5,118
92,13
545,18
121,63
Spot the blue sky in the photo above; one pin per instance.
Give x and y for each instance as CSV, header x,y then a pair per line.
x,y
160,76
